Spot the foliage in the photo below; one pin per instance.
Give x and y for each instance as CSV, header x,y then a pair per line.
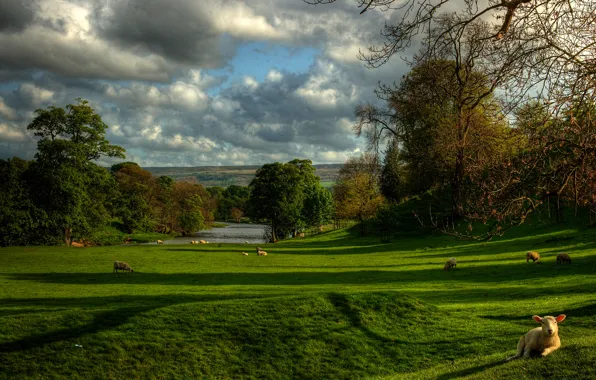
x,y
71,188
278,194
19,217
393,177
356,194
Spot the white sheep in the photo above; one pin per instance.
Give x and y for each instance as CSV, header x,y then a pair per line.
x,y
451,263
159,242
202,242
121,265
541,340
262,253
244,253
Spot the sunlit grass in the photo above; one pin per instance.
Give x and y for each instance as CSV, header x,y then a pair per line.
x,y
330,306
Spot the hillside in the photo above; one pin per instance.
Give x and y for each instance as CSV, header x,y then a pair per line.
x,y
334,306
233,175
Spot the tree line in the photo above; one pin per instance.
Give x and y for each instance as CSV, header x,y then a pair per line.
x,y
63,195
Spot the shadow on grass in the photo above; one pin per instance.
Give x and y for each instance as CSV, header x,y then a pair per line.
x,y
579,312
470,371
103,320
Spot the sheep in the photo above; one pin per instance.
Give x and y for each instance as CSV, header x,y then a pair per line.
x,y
193,242
246,242
541,340
532,255
563,258
122,266
77,244
244,253
301,234
262,253
259,249
451,263
202,242
159,242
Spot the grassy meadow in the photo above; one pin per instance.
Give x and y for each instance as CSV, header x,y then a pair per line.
x,y
333,306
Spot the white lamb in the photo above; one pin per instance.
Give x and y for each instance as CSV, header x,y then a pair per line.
x,y
541,340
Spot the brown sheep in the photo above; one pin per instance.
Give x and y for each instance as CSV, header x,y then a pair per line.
x,y
563,258
541,340
77,244
451,263
121,265
532,255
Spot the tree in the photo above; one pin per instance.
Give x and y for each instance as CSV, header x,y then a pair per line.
x,y
188,201
318,206
236,214
71,188
20,219
278,193
137,190
393,181
356,193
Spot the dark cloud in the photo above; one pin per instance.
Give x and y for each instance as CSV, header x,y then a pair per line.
x,y
16,15
182,31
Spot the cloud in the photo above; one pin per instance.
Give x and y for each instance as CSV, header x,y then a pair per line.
x,y
145,67
6,111
15,15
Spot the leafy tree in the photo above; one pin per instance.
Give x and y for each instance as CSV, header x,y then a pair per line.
x,y
356,193
188,201
393,181
318,206
278,195
20,219
71,188
137,189
236,214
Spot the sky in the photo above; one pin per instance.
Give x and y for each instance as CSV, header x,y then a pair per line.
x,y
194,83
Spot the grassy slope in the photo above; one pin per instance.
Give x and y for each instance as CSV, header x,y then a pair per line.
x,y
332,306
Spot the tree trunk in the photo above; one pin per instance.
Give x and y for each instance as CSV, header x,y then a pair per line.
x,y
67,235
456,183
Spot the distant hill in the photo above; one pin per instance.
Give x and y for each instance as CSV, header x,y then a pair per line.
x,y
225,176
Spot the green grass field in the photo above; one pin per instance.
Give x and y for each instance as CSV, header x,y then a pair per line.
x,y
326,307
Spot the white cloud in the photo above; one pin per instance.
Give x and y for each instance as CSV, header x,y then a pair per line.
x,y
36,96
6,111
11,134
274,76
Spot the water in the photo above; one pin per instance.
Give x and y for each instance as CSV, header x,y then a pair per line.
x,y
232,233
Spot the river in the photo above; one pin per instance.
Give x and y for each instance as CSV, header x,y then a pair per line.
x,y
232,233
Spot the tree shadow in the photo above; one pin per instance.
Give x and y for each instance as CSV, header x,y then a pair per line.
x,y
470,371
579,312
103,320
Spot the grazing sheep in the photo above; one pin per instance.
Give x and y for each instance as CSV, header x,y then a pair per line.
x,y
246,242
532,255
262,253
541,340
202,242
563,258
451,263
121,265
159,242
77,244
244,253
